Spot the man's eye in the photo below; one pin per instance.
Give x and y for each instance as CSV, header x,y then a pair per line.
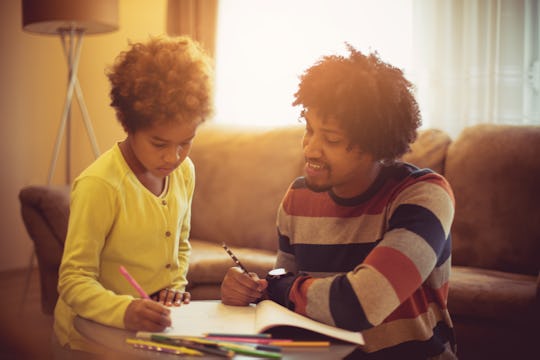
x,y
333,140
159,145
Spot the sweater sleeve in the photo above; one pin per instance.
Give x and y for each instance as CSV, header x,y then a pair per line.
x,y
92,211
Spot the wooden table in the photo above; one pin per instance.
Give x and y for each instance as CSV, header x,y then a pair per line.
x,y
113,343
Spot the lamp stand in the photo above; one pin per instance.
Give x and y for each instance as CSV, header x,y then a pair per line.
x,y
71,39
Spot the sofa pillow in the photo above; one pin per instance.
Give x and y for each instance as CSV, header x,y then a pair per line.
x,y
429,150
241,176
494,171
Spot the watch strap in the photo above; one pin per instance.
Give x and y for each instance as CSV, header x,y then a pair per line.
x,y
278,290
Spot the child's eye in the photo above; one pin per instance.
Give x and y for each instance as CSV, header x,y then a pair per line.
x,y
159,145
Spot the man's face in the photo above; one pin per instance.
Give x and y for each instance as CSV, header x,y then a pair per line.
x,y
161,148
331,162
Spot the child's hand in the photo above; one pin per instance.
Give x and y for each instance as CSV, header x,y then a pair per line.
x,y
170,297
146,315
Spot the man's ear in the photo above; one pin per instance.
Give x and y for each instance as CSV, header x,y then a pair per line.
x,y
355,148
362,154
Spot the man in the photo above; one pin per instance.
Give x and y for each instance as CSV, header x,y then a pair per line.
x,y
364,238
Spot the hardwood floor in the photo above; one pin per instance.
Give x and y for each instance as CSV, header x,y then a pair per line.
x,y
24,330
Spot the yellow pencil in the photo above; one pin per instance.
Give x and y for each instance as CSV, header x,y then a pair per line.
x,y
300,343
152,345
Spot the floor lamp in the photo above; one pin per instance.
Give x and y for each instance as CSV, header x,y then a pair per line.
x,y
70,20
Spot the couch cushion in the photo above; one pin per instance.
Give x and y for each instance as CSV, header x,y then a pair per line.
x,y
429,150
209,261
494,171
241,176
489,294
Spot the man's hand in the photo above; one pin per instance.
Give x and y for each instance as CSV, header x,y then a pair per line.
x,y
239,289
146,315
170,297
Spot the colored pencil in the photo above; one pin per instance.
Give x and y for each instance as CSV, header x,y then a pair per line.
x,y
205,348
300,343
238,348
133,283
257,336
246,339
160,347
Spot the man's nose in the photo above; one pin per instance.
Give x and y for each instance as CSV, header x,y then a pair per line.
x,y
312,147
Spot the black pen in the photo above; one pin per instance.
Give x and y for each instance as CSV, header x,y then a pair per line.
x,y
235,259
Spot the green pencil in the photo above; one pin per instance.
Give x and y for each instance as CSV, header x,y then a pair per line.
x,y
246,350
209,349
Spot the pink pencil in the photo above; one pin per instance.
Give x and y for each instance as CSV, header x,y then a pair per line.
x,y
253,340
134,283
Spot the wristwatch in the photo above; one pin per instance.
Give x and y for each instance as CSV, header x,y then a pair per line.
x,y
279,284
276,274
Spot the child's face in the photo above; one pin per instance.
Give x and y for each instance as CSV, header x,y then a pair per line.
x,y
162,147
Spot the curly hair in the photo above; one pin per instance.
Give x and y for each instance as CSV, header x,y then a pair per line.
x,y
370,98
164,79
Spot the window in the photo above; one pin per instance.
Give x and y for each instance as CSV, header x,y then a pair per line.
x,y
264,46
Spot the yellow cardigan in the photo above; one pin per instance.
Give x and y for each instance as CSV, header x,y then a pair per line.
x,y
114,220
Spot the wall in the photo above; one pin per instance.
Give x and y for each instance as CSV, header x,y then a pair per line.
x,y
33,77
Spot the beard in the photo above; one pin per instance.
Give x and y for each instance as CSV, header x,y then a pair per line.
x,y
317,187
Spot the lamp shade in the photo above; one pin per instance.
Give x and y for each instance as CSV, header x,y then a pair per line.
x,y
92,16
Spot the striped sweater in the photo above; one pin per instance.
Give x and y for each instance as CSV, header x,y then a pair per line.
x,y
377,263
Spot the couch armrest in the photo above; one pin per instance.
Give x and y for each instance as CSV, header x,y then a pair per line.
x,y
45,213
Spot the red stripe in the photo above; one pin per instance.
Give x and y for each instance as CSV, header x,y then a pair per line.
x,y
298,293
397,268
303,202
419,303
440,295
411,308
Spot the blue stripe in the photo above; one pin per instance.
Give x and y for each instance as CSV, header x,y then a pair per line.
x,y
422,222
285,244
345,308
330,258
446,252
299,183
421,172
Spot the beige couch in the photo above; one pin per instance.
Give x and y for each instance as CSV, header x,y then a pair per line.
x,y
242,175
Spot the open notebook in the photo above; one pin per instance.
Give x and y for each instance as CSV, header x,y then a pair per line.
x,y
202,317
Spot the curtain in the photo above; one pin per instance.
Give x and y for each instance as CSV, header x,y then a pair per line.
x,y
476,61
196,18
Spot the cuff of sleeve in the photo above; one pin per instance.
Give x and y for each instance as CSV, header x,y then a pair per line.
x,y
278,291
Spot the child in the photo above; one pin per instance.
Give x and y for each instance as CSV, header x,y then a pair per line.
x,y
131,207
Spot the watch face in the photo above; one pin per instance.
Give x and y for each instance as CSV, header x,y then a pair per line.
x,y
277,272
